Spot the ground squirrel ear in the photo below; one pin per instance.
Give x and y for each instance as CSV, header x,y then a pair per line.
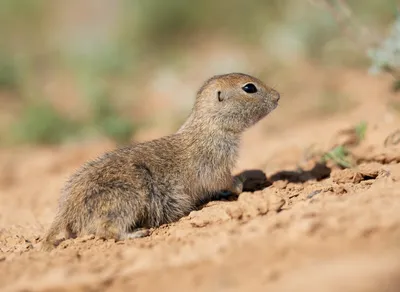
x,y
219,94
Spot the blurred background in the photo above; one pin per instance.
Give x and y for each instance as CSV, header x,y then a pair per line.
x,y
128,70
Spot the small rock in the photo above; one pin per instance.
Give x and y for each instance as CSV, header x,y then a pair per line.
x,y
85,238
295,187
199,223
65,243
252,204
263,209
275,203
370,170
280,184
339,190
346,176
312,194
208,215
392,139
367,182
384,173
23,247
235,212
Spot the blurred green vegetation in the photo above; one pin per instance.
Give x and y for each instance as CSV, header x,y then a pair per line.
x,y
108,120
8,74
145,33
42,124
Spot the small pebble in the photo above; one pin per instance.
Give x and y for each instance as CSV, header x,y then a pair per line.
x,y
275,203
312,194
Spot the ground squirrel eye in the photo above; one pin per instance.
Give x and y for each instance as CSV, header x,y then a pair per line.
x,y
250,88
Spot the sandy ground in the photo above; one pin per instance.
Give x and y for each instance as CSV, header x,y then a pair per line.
x,y
300,226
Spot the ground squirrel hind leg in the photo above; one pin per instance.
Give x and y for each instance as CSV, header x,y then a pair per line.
x,y
137,233
110,229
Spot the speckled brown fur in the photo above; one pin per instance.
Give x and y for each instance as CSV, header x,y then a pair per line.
x,y
123,192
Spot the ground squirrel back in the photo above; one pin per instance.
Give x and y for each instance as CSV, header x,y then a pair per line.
x,y
126,191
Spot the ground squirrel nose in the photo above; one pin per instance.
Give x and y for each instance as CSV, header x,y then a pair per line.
x,y
275,96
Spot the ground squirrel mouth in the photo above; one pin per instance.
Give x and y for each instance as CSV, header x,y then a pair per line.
x,y
276,96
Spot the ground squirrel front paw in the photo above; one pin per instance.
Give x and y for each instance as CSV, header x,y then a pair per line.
x,y
235,189
238,183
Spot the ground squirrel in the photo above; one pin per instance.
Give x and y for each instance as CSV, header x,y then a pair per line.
x,y
124,192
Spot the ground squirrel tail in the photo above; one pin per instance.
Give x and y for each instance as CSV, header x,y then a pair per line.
x,y
56,227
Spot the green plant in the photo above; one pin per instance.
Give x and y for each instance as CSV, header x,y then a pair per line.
x,y
361,130
8,73
339,155
107,119
384,53
386,57
41,124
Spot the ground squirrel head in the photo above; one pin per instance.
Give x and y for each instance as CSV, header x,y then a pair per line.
x,y
233,102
